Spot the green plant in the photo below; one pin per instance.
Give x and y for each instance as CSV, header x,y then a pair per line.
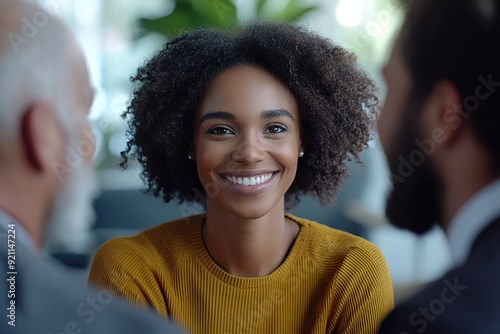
x,y
293,11
192,14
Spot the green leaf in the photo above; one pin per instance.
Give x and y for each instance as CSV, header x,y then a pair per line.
x,y
226,11
182,18
260,6
293,11
192,14
217,13
297,13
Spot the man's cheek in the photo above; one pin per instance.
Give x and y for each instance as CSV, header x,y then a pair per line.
x,y
389,124
87,144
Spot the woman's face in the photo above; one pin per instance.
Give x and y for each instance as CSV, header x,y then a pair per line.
x,y
246,142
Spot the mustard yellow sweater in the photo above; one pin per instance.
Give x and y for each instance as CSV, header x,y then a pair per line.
x,y
330,282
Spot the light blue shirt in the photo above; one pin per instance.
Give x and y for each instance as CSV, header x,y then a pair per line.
x,y
473,217
22,237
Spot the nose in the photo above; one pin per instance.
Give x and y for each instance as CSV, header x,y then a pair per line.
x,y
249,150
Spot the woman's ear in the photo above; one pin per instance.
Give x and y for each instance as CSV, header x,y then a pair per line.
x,y
302,149
303,145
42,136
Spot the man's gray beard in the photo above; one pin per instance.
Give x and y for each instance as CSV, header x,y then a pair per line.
x,y
69,224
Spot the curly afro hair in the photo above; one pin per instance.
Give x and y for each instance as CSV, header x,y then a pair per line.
x,y
337,105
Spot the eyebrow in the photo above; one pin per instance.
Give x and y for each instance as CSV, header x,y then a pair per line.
x,y
217,115
274,113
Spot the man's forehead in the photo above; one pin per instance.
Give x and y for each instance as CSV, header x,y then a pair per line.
x,y
13,16
10,18
78,70
11,13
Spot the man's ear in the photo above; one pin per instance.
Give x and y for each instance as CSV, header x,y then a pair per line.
x,y
443,114
41,136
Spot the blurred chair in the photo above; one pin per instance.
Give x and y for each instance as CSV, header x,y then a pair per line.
x,y
127,212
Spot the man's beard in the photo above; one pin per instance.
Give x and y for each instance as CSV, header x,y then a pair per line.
x,y
415,200
72,216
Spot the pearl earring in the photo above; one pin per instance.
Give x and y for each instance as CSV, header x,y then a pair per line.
x,y
301,154
190,157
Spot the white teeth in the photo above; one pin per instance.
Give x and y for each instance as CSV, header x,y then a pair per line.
x,y
249,181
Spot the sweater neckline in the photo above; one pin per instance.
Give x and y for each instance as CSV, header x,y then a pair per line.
x,y
199,248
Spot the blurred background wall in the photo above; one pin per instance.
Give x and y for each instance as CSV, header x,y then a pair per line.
x,y
118,36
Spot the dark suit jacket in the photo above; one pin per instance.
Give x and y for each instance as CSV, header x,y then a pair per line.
x,y
46,302
466,300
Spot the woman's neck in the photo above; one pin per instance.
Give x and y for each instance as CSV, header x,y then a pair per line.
x,y
248,247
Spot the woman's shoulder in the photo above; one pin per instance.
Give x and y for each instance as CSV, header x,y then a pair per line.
x,y
157,239
173,228
333,243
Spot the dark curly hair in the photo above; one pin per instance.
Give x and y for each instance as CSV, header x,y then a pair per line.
x,y
337,104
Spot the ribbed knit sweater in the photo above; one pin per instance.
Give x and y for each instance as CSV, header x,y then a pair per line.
x,y
330,282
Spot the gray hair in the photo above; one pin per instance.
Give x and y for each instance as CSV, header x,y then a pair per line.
x,y
34,51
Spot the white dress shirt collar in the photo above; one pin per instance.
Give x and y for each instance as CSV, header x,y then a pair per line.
x,y
480,210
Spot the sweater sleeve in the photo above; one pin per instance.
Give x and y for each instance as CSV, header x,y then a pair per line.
x,y
121,267
364,292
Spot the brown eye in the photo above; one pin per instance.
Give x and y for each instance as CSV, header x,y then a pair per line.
x,y
276,128
220,130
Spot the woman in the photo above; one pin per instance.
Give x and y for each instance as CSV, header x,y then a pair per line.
x,y
244,122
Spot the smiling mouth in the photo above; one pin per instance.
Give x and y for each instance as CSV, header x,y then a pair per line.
x,y
249,181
